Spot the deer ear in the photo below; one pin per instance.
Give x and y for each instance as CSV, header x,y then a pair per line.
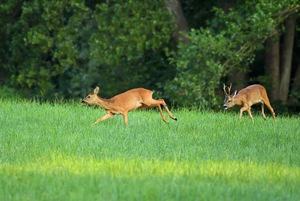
x,y
235,93
96,90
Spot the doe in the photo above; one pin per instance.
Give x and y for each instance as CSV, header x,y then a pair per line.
x,y
126,102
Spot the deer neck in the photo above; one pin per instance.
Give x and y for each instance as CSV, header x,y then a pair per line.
x,y
103,103
238,100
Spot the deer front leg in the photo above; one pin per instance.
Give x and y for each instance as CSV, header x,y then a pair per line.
x,y
107,116
245,108
250,115
125,117
241,113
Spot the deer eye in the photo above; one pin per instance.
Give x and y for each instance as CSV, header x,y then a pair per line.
x,y
88,96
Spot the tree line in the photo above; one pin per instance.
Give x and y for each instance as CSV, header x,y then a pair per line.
x,y
184,50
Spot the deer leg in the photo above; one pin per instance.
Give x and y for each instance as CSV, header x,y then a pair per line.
x,y
168,111
107,116
245,108
241,113
157,103
159,108
272,111
162,102
162,114
262,110
125,117
267,102
249,112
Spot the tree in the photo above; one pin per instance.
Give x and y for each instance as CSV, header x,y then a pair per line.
x,y
40,41
61,48
179,20
272,66
279,60
184,49
227,45
287,53
127,46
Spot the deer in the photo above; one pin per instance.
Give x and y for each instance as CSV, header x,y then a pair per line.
x,y
247,97
126,102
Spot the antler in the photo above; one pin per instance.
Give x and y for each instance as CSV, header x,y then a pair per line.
x,y
229,88
224,88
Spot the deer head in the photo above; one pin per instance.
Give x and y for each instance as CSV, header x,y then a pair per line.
x,y
229,99
92,97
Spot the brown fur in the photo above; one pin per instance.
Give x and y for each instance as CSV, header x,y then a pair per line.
x,y
126,102
247,97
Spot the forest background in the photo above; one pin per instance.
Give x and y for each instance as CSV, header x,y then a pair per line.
x,y
183,50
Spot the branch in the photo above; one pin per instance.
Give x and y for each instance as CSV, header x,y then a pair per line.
x,y
287,12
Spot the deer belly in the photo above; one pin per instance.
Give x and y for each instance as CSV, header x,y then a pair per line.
x,y
133,105
138,104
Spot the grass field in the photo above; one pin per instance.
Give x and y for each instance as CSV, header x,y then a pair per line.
x,y
52,152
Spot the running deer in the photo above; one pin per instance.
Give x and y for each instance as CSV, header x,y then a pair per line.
x,y
246,98
126,102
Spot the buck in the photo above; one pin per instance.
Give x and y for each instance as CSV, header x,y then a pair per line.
x,y
126,102
246,98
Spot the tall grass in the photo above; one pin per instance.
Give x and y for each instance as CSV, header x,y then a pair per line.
x,y
52,152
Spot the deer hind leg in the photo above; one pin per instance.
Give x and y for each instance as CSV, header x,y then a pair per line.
x,y
156,103
262,110
267,103
167,109
107,116
161,113
159,108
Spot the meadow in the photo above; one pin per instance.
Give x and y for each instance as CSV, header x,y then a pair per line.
x,y
51,151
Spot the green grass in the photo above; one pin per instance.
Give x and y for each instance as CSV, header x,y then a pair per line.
x,y
52,152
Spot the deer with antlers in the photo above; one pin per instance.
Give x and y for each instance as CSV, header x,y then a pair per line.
x,y
246,98
126,102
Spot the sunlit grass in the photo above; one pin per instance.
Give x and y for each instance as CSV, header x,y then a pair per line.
x,y
244,171
52,152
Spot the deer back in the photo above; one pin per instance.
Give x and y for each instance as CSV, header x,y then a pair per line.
x,y
131,99
251,94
